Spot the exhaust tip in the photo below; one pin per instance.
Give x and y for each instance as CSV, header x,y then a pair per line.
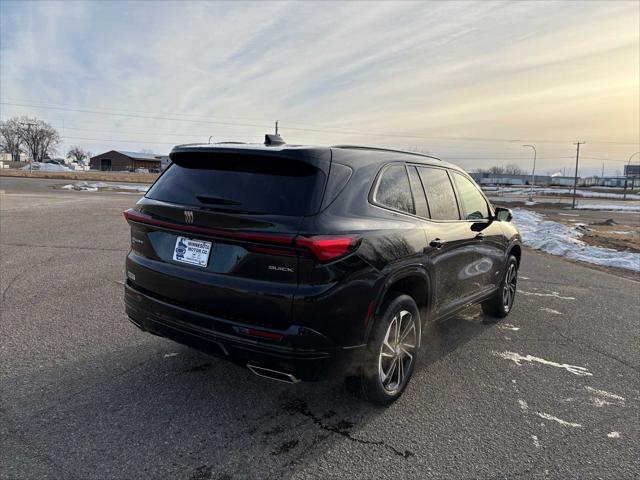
x,y
273,374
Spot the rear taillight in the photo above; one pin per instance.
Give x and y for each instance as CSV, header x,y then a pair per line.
x,y
327,248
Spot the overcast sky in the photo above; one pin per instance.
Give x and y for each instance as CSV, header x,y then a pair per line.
x,y
467,81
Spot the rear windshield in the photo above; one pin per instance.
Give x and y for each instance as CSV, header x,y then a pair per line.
x,y
242,183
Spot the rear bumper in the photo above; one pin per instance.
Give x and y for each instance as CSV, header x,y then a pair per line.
x,y
302,352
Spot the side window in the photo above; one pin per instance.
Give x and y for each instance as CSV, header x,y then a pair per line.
x,y
440,195
394,190
418,193
474,204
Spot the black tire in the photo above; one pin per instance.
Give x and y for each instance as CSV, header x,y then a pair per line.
x,y
501,304
394,338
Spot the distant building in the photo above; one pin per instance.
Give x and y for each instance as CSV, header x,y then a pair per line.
x,y
122,161
618,182
560,181
487,178
632,170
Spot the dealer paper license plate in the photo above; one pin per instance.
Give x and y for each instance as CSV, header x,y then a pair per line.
x,y
193,252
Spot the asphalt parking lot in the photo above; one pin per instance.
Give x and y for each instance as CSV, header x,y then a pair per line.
x,y
552,392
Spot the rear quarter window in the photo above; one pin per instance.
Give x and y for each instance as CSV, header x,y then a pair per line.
x,y
255,184
394,191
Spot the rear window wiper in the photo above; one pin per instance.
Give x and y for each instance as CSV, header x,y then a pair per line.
x,y
208,200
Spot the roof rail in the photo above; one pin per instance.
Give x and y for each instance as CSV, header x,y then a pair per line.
x,y
380,149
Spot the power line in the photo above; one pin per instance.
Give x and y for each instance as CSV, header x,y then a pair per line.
x,y
338,131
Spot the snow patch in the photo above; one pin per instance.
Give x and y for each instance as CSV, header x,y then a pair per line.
x,y
524,406
546,416
550,310
558,239
95,186
46,167
536,442
555,191
610,206
508,326
552,294
518,359
602,398
613,435
604,393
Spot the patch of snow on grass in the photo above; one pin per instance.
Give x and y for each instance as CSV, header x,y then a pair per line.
x,y
558,239
95,186
609,206
46,167
518,359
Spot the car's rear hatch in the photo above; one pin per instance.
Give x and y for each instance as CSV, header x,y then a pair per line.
x,y
216,233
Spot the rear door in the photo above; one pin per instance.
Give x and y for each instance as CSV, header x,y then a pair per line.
x,y
450,241
215,233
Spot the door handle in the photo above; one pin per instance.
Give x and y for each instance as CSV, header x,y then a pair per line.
x,y
437,243
480,236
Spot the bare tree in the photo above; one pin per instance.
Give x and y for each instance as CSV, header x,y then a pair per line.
x,y
78,154
10,140
40,139
513,169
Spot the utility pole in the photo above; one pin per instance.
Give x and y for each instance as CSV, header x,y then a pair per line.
x,y
533,172
575,177
276,127
29,125
602,176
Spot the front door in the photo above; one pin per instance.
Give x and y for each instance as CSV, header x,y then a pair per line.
x,y
450,251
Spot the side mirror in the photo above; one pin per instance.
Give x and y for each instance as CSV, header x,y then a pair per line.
x,y
504,214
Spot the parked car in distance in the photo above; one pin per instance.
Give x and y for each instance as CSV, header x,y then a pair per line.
x,y
302,262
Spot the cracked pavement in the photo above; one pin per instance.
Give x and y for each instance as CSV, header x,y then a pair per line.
x,y
85,395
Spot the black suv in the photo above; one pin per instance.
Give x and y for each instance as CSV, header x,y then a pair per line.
x,y
303,262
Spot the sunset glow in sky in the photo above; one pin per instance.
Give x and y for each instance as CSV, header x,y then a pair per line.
x,y
467,81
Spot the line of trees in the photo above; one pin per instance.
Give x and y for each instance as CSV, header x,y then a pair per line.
x,y
511,169
35,137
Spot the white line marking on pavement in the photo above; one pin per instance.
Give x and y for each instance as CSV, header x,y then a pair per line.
x,y
167,355
518,359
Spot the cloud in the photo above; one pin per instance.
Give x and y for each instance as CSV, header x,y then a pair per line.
x,y
520,70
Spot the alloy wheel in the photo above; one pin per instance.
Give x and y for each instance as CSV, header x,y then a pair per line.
x,y
509,290
397,352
